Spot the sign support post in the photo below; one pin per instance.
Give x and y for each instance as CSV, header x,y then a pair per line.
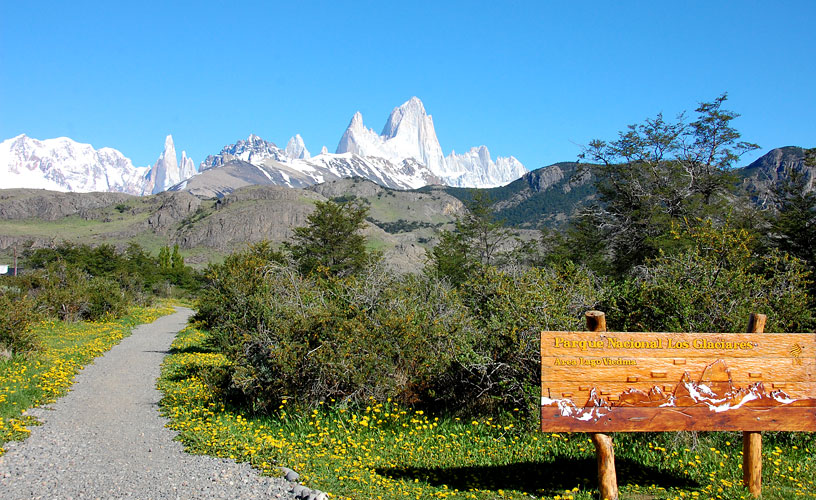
x,y
601,382
752,440
604,452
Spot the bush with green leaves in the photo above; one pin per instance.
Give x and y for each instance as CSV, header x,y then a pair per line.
x,y
16,315
712,285
510,308
70,294
413,338
317,337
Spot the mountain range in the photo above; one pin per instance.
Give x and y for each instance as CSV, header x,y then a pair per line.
x,y
63,164
402,223
405,155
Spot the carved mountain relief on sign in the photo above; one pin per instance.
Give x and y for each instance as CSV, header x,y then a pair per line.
x,y
655,382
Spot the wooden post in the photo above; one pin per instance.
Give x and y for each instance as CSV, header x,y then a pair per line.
x,y
607,478
752,441
15,260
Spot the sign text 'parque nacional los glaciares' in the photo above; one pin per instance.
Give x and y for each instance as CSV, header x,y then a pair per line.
x,y
624,382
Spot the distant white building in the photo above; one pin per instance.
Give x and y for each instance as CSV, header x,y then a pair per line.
x,y
3,269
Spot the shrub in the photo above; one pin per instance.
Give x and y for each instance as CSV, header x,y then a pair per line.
x,y
510,309
105,298
16,315
70,294
412,338
712,286
317,338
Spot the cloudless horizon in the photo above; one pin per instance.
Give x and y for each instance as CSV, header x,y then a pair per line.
x,y
534,80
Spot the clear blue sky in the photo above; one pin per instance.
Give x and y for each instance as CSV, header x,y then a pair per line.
x,y
530,79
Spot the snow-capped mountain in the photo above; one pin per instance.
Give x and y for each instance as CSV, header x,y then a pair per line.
x,y
187,167
253,150
257,161
406,155
409,133
63,164
476,168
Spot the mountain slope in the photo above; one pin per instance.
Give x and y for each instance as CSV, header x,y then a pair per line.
x,y
402,224
759,178
256,161
547,196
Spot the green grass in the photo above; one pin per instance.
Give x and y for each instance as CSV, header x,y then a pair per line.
x,y
37,379
390,452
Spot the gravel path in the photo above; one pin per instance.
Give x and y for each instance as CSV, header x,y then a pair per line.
x,y
105,438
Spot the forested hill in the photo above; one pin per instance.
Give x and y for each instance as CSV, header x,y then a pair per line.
x,y
547,196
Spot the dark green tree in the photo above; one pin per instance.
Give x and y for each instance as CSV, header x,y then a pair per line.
x,y
164,258
656,174
331,240
176,260
477,240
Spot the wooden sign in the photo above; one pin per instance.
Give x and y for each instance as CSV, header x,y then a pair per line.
x,y
631,382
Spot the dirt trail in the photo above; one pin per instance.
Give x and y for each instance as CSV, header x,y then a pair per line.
x,y
105,438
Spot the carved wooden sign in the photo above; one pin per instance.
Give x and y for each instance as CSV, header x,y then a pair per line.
x,y
630,382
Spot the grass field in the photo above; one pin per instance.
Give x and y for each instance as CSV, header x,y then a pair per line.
x,y
384,451
38,379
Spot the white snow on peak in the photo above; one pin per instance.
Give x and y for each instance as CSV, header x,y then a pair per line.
x,y
405,155
296,149
62,164
476,168
167,171
409,133
287,168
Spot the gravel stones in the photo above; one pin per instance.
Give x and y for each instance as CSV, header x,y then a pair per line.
x,y
106,439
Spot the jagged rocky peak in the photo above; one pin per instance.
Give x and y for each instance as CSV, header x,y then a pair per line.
x,y
356,121
411,113
477,168
359,140
252,150
296,148
165,171
408,133
187,166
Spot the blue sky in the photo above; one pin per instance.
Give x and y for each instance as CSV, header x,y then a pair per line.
x,y
530,79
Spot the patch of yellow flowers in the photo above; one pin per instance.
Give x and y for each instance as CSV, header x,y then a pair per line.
x,y
40,378
385,451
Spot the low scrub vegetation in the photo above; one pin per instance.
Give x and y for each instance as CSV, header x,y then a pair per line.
x,y
383,449
413,338
80,283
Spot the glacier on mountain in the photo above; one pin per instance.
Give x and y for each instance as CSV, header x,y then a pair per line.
x,y
62,164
